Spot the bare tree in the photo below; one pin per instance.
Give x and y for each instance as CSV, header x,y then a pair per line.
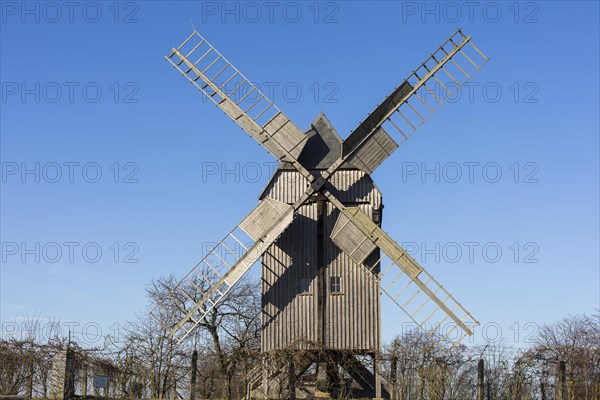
x,y
574,341
428,369
231,328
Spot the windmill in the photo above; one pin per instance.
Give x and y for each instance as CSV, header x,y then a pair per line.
x,y
317,227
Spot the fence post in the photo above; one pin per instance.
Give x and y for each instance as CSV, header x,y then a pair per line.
x,y
543,389
480,383
194,371
394,377
30,378
562,378
84,381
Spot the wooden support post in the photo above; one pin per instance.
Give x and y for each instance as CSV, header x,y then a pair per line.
x,y
265,376
333,376
321,284
322,383
291,379
376,376
194,372
480,382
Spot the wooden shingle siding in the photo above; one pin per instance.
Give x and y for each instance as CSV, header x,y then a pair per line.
x,y
353,321
349,186
289,317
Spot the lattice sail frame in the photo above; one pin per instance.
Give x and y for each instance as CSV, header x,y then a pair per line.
x,y
357,235
239,98
447,69
179,311
413,102
274,131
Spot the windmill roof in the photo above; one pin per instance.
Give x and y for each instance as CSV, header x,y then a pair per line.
x,y
323,147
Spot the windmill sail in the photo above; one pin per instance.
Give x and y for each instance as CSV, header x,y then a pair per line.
x,y
223,84
410,105
435,81
402,279
192,299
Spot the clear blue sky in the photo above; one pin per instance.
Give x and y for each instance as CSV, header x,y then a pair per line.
x,y
344,58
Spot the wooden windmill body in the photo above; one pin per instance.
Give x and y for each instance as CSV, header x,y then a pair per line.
x,y
316,231
313,293
314,296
